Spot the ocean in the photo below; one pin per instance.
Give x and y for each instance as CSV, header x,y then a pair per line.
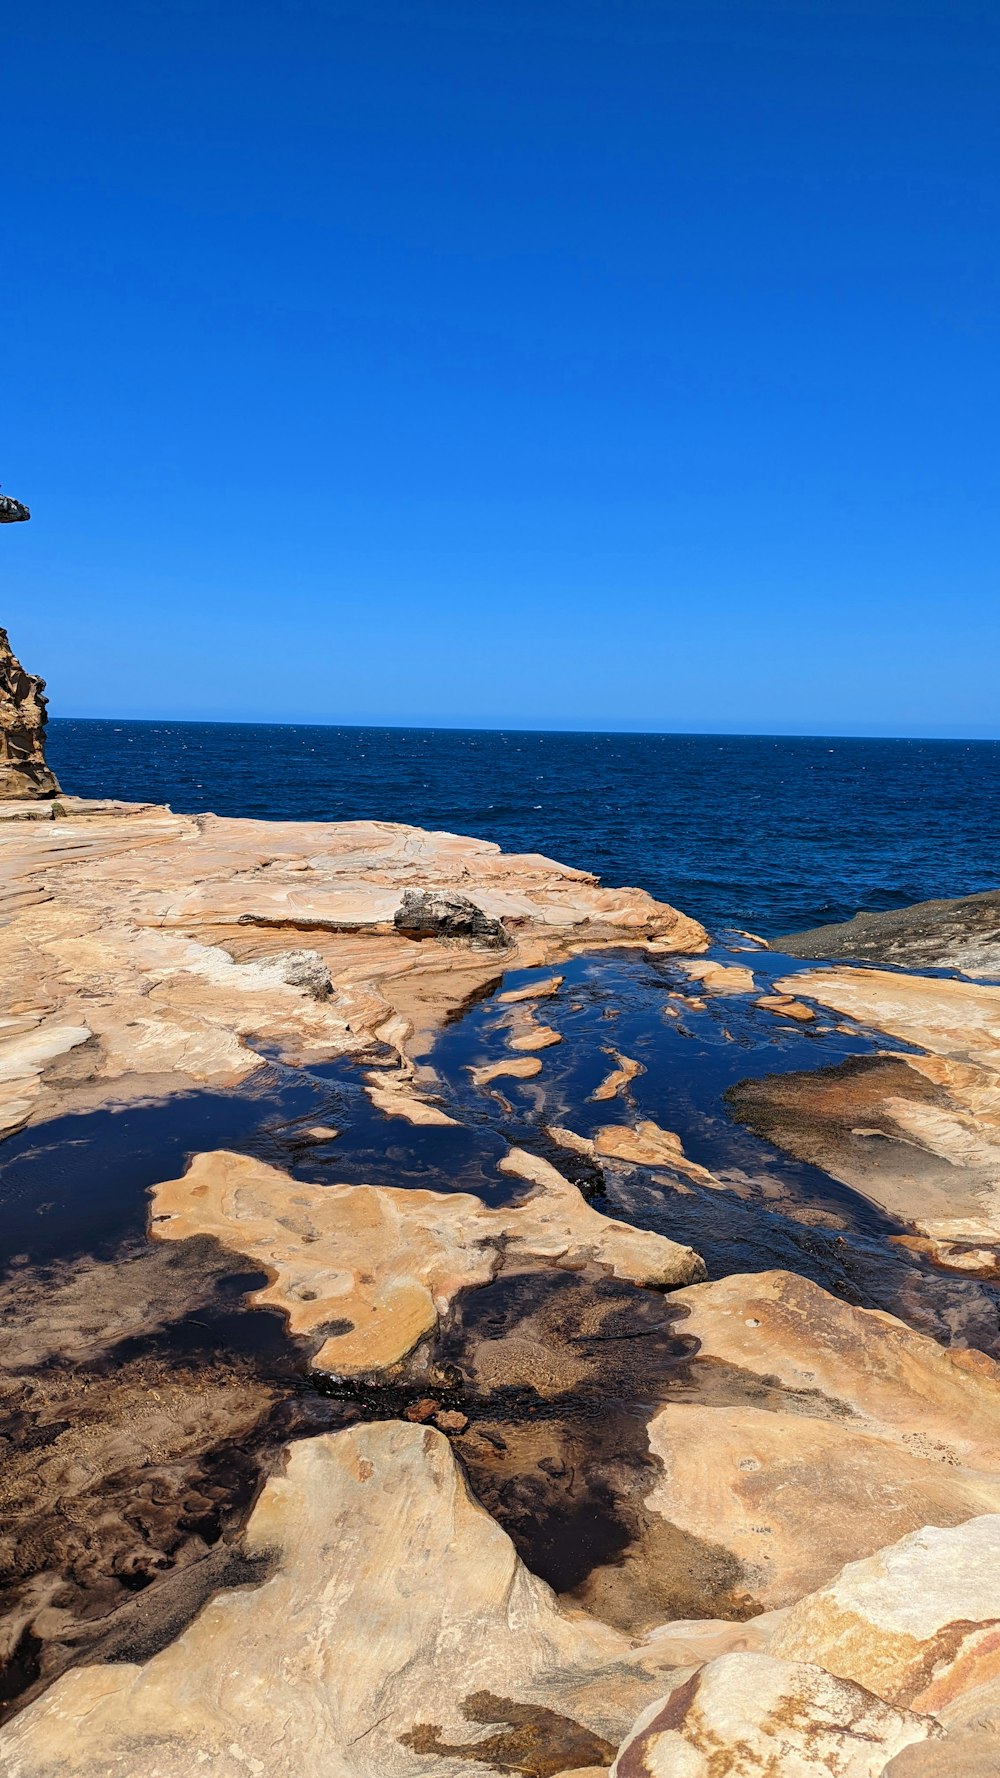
x,y
771,833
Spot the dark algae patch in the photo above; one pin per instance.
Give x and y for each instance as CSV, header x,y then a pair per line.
x,y
560,1377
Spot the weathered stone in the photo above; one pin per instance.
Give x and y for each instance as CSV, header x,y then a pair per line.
x,y
918,1623
644,1145
528,1034
307,970
647,1145
24,774
372,1267
434,914
542,990
753,1716
510,1068
784,1006
814,1433
12,511
451,1420
397,1634
720,978
618,1078
918,1133
166,939
963,934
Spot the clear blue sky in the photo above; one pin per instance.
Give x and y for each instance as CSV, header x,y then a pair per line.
x,y
541,362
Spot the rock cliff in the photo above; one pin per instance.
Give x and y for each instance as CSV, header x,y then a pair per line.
x,y
23,771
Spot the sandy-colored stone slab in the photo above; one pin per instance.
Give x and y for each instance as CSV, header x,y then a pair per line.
x,y
822,1433
397,1632
918,1623
618,1078
785,1006
177,941
753,1716
374,1266
533,1036
542,990
510,1068
719,978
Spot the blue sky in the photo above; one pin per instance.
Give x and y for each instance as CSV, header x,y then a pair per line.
x,y
564,364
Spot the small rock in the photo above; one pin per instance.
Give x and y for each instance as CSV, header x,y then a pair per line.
x,y
534,991
783,1006
422,1410
450,1420
306,970
512,1068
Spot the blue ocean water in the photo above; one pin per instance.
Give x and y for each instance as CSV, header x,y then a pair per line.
x,y
772,833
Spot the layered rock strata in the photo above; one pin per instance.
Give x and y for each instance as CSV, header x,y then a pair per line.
x,y
24,774
916,1129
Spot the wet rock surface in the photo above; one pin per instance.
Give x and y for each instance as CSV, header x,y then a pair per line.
x,y
373,1526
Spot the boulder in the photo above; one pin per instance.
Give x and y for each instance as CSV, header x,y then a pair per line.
x,y
431,913
918,1623
754,1716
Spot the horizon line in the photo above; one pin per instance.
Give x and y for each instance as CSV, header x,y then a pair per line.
x,y
526,729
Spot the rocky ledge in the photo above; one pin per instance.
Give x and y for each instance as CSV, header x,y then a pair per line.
x,y
285,1468
963,935
154,951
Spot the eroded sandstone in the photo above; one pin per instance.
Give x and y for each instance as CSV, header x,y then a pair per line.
x,y
754,1716
918,1131
371,1268
24,774
918,1623
177,946
461,1648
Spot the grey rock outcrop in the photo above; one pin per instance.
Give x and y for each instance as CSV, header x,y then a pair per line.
x,y
963,934
12,512
431,913
23,771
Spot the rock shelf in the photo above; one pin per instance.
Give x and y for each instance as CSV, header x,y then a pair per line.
x,y
391,1425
